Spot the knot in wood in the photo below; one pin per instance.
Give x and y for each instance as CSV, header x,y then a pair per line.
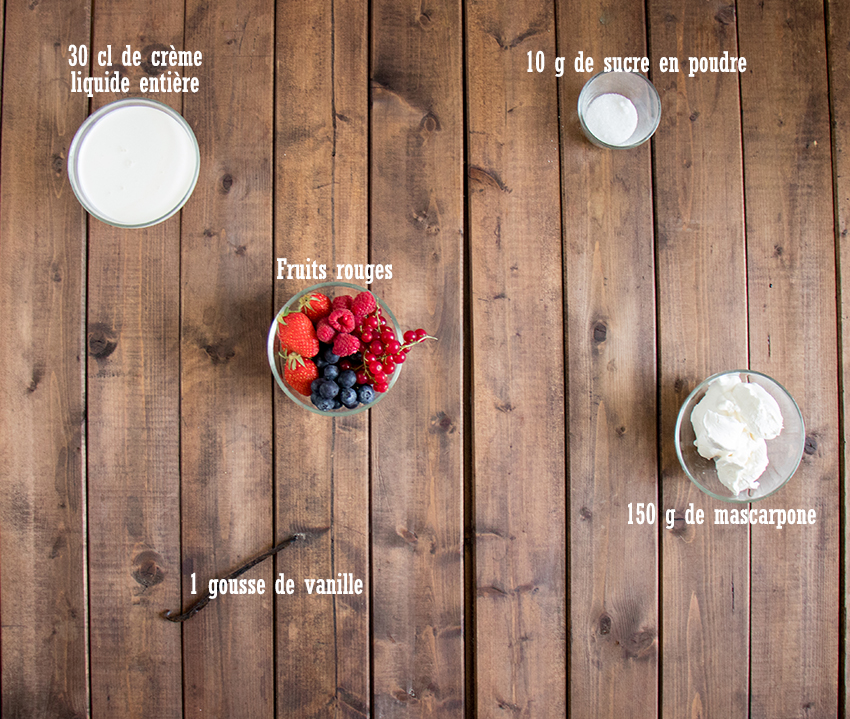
x,y
100,344
639,642
219,353
726,15
147,64
147,570
811,445
600,332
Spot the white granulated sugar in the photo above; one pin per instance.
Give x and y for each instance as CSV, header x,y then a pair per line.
x,y
612,118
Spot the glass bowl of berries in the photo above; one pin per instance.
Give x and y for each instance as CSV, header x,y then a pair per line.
x,y
335,348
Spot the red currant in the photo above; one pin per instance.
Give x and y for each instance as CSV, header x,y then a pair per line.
x,y
376,348
381,387
399,358
421,334
375,367
392,347
372,322
345,364
362,377
410,336
368,357
389,366
366,337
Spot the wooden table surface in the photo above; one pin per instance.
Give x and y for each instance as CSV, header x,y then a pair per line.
x,y
578,294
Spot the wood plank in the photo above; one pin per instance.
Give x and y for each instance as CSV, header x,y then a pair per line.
x,y
792,319
702,330
322,465
417,462
42,270
609,269
838,30
226,409
134,426
518,362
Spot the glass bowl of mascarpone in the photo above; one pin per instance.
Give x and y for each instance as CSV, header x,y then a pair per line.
x,y
740,436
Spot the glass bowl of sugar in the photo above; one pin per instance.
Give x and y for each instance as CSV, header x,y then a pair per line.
x,y
619,110
134,162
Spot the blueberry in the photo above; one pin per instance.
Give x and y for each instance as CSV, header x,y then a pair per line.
x,y
315,384
337,404
325,404
356,359
347,378
365,394
348,397
319,362
329,389
315,398
329,356
331,371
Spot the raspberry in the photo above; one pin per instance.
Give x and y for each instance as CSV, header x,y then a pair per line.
x,y
324,331
343,302
342,320
364,304
346,344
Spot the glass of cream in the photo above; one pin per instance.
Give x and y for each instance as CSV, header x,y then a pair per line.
x,y
740,436
134,163
619,110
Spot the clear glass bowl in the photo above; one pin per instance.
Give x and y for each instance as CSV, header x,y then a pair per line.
x,y
77,143
331,290
639,91
784,452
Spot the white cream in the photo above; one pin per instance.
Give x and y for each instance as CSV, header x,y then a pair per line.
x,y
732,422
136,165
612,118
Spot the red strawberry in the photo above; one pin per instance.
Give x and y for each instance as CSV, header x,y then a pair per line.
x,y
299,373
342,302
324,331
363,305
345,344
342,320
297,334
315,306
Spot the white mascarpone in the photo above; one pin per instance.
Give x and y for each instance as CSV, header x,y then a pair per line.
x,y
731,423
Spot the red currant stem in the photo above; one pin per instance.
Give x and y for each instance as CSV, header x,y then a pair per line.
x,y
416,342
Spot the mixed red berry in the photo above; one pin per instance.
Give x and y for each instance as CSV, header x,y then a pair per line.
x,y
341,352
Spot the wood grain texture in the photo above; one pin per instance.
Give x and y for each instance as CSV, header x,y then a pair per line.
x,y
792,320
42,270
609,271
702,330
322,465
417,470
133,351
226,408
518,366
838,53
